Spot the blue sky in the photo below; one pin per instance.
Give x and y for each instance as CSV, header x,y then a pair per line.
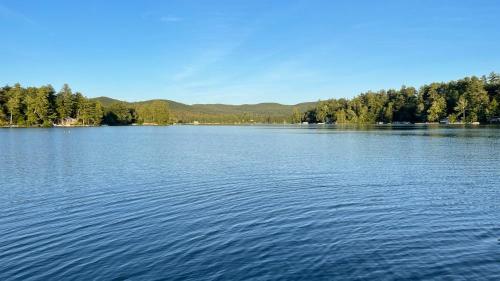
x,y
232,51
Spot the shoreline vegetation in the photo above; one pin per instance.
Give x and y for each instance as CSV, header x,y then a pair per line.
x,y
470,100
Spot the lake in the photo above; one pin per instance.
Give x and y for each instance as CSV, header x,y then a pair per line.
x,y
250,203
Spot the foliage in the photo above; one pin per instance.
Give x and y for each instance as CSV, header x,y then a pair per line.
x,y
220,113
469,99
118,114
296,116
40,106
155,112
472,98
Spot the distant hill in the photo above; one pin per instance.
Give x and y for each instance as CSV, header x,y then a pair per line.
x,y
223,113
105,101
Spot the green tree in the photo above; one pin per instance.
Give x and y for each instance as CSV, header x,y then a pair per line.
x,y
437,109
64,103
79,106
119,114
351,116
340,117
321,112
29,102
38,108
477,99
3,101
296,116
155,112
494,78
15,103
160,112
388,113
96,114
493,109
437,102
90,112
461,106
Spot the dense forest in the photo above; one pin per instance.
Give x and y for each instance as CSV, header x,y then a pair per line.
x,y
42,106
221,113
145,113
470,99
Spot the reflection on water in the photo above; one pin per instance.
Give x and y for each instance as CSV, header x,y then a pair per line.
x,y
311,202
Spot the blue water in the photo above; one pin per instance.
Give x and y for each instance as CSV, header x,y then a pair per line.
x,y
250,203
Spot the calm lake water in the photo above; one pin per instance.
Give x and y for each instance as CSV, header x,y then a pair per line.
x,y
250,203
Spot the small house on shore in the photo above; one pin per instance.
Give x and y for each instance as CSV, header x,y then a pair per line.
x,y
68,121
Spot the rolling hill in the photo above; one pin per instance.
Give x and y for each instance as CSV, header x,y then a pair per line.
x,y
223,113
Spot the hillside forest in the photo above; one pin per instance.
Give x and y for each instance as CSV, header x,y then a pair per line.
x,y
470,99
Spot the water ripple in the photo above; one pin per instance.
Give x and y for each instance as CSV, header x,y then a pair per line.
x,y
265,204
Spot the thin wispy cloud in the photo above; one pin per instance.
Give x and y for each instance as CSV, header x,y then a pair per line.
x,y
9,14
210,54
170,19
201,62
155,16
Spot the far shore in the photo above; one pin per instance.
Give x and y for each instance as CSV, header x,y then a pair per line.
x,y
259,124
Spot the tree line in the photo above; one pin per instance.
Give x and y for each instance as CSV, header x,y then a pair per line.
x,y
154,112
471,99
228,118
44,107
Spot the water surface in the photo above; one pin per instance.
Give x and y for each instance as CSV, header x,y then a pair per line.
x,y
250,203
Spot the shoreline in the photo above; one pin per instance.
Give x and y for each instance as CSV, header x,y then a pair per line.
x,y
471,125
